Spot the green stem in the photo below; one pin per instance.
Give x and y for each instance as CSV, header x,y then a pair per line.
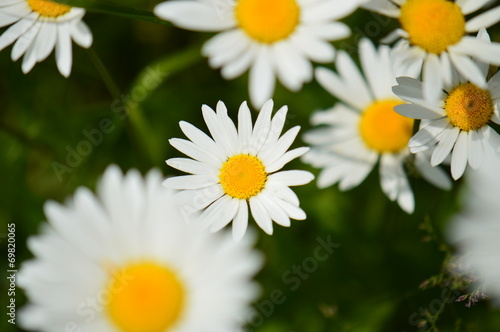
x,y
146,82
108,7
112,87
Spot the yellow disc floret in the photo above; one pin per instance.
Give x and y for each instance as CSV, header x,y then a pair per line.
x,y
145,297
469,107
243,176
48,8
267,21
384,130
433,24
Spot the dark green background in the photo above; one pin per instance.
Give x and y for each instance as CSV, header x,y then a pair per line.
x,y
370,283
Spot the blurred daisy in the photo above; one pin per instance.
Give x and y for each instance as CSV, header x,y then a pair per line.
x,y
124,260
437,33
457,120
39,26
476,230
272,38
237,168
365,129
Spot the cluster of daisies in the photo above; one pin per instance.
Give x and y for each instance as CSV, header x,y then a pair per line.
x,y
143,257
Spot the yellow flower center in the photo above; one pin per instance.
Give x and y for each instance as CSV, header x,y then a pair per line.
x,y
384,130
433,24
243,176
469,107
267,21
145,297
48,8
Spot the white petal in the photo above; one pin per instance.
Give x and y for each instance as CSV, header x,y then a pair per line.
x,y
292,178
262,78
468,68
260,215
25,41
189,181
81,34
15,31
240,222
193,15
383,7
475,148
482,50
433,84
445,145
484,20
470,6
414,111
459,156
427,135
285,159
225,215
64,53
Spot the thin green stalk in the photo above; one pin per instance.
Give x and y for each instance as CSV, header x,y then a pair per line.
x,y
108,7
112,87
146,82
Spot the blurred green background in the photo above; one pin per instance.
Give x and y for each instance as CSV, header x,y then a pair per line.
x,y
369,283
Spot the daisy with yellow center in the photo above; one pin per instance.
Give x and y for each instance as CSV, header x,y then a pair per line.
x,y
273,39
364,128
457,121
437,33
39,26
237,169
126,261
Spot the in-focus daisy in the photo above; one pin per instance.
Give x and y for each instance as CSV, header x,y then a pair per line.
x,y
40,25
239,168
457,120
125,261
476,230
275,38
364,128
438,33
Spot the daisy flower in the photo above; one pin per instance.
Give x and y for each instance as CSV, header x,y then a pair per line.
x,y
39,26
276,38
457,120
438,33
476,230
239,168
364,128
124,260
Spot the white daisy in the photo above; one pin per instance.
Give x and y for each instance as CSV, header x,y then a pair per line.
x,y
457,119
437,33
476,230
125,260
275,38
39,26
364,128
237,168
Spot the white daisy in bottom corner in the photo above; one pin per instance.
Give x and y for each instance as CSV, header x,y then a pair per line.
x,y
457,120
239,168
39,26
365,129
125,261
274,39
